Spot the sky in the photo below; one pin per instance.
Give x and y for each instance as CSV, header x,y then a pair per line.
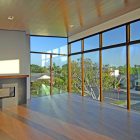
x,y
114,57
51,45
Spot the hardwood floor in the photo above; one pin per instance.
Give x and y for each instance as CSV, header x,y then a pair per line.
x,y
68,117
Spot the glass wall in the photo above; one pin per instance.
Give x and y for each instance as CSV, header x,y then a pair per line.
x,y
91,70
114,81
113,62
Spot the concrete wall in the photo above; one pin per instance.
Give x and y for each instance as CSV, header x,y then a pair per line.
x,y
15,45
133,15
20,91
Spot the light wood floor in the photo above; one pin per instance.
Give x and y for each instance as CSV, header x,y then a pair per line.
x,y
68,117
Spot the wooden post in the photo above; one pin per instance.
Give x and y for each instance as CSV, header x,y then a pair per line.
x,y
69,69
100,66
128,65
51,78
82,67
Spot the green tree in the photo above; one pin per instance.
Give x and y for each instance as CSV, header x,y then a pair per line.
x,y
37,85
60,78
38,69
91,77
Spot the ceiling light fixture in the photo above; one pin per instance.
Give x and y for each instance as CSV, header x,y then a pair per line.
x,y
11,18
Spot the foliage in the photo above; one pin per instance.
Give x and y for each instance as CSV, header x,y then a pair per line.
x,y
37,85
134,71
76,76
91,85
60,74
38,69
59,79
108,80
122,70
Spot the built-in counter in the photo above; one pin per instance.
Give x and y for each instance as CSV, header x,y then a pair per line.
x,y
13,76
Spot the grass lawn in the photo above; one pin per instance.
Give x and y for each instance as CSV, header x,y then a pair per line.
x,y
119,102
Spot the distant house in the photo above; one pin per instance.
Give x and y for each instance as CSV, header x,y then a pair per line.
x,y
37,76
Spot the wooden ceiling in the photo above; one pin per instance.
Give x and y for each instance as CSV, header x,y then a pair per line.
x,y
55,17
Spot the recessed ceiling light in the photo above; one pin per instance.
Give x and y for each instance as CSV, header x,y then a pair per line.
x,y
71,26
11,18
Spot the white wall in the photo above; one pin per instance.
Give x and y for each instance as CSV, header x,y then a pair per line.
x,y
133,15
15,45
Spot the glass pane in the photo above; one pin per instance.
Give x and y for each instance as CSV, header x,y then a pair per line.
x,y
76,73
76,47
114,36
60,74
91,67
135,76
91,42
40,74
135,31
114,76
49,44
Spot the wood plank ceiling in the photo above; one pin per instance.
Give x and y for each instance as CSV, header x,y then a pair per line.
x,y
56,17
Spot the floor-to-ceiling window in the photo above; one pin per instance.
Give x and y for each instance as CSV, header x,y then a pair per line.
x,y
48,65
106,65
114,79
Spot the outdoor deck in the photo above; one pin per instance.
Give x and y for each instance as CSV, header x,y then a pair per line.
x,y
68,117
